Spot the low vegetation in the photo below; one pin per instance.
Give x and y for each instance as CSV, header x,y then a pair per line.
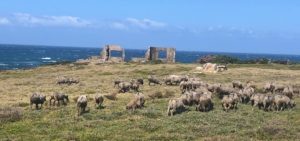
x,y
114,122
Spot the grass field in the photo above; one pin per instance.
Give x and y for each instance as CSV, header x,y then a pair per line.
x,y
113,122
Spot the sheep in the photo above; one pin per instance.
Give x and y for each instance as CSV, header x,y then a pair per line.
x,y
257,100
237,84
281,102
117,82
288,91
268,102
153,80
82,102
124,86
137,102
59,97
221,91
246,93
250,84
227,102
278,88
213,87
99,99
175,79
175,105
205,103
37,99
236,98
135,85
269,87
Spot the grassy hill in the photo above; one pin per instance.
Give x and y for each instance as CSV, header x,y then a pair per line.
x,y
113,122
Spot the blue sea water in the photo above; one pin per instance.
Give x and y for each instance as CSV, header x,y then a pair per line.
x,y
27,56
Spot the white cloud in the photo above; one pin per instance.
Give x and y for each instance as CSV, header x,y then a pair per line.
x,y
28,19
4,21
118,25
145,23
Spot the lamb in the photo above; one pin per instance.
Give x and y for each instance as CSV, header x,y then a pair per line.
x,y
82,102
37,99
281,102
59,97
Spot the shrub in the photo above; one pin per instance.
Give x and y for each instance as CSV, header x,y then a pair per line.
x,y
10,114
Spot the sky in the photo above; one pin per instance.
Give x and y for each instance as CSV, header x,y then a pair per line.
x,y
256,26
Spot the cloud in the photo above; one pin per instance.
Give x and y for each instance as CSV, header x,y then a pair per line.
x,y
4,21
28,19
145,23
118,25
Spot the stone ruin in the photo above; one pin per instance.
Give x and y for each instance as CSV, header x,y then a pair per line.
x,y
106,53
152,54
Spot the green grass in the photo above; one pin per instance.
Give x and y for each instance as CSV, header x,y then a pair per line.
x,y
113,122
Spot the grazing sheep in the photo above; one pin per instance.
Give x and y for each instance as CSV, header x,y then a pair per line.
x,y
153,80
37,99
140,81
236,98
99,99
257,100
59,97
227,102
213,87
137,102
221,91
269,87
237,84
135,85
251,84
281,102
117,82
124,87
82,102
175,79
205,103
288,91
279,88
175,105
68,81
246,94
268,102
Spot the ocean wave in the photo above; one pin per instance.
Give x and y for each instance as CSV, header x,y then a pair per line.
x,y
2,64
51,61
46,58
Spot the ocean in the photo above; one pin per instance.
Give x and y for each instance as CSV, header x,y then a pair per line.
x,y
27,56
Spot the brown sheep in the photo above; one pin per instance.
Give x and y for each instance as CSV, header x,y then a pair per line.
x,y
124,87
175,105
213,87
221,91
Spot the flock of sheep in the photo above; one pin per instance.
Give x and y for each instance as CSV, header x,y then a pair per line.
x,y
194,92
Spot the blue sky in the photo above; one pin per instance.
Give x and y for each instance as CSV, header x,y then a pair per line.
x,y
256,26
